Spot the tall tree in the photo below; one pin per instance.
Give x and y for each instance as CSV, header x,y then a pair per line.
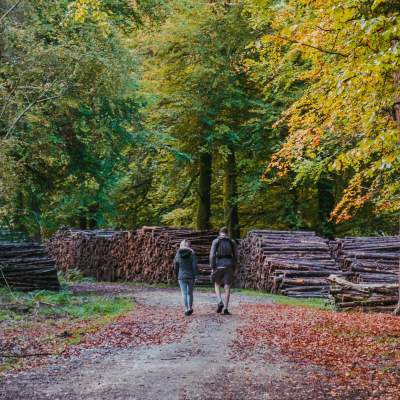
x,y
341,123
231,211
205,98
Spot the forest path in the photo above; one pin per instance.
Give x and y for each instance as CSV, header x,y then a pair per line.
x,y
200,365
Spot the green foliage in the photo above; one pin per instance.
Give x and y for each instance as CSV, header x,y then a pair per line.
x,y
75,276
205,98
70,121
107,106
340,124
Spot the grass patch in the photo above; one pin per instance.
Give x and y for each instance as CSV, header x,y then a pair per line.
x,y
61,304
53,320
65,304
73,275
321,304
5,315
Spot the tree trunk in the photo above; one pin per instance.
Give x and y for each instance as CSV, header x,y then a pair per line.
x,y
92,220
231,215
397,115
326,203
204,192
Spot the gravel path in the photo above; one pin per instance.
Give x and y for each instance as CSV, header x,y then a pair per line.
x,y
199,366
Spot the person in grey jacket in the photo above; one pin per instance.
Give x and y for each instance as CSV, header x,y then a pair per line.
x,y
223,261
186,271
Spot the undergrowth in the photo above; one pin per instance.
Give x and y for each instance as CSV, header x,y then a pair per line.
x,y
61,304
73,275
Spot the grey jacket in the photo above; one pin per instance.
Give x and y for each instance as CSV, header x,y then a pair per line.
x,y
223,253
185,264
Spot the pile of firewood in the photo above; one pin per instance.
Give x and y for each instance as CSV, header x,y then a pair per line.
x,y
143,255
7,235
378,297
27,266
90,252
294,263
151,257
372,264
370,259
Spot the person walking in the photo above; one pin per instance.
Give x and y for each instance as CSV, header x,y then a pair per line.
x,y
185,264
223,261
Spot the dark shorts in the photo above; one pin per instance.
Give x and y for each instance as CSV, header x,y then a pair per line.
x,y
223,276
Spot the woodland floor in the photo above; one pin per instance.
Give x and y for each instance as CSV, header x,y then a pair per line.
x,y
262,351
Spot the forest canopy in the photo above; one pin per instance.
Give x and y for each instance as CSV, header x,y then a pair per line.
x,y
250,113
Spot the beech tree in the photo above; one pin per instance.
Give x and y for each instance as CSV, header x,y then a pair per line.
x,y
204,96
342,123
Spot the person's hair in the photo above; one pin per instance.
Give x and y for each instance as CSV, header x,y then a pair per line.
x,y
185,244
224,230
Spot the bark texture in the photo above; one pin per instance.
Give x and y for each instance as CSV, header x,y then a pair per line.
x,y
231,214
204,192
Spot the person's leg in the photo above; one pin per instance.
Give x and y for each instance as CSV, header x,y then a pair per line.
x,y
227,295
218,292
190,293
228,281
184,287
219,298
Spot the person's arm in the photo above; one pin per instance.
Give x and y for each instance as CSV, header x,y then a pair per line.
x,y
194,264
212,254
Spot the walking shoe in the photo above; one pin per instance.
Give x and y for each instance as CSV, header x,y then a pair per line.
x,y
187,313
220,307
190,311
226,312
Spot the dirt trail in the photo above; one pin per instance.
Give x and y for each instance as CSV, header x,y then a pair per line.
x,y
199,366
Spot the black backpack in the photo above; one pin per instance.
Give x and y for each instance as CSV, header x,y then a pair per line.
x,y
224,248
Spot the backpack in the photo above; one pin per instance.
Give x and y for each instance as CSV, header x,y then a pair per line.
x,y
224,248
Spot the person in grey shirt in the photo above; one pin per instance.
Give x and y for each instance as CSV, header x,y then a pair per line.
x,y
223,261
185,264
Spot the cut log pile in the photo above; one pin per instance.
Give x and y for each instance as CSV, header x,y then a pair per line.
x,y
90,252
27,266
294,263
7,235
373,267
377,297
143,255
370,259
363,271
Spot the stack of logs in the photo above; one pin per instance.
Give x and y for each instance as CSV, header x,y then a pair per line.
x,y
27,266
371,259
90,252
372,297
295,263
7,235
144,255
373,267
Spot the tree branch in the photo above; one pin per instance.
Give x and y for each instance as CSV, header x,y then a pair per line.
x,y
4,16
7,102
17,119
336,53
182,198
